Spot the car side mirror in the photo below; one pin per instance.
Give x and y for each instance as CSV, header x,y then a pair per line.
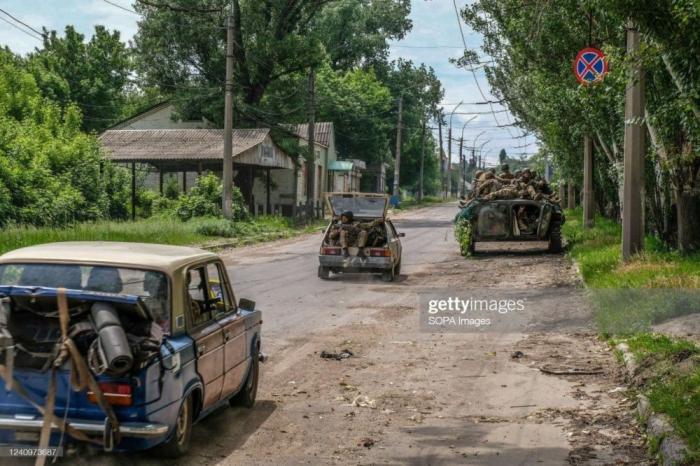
x,y
247,304
402,235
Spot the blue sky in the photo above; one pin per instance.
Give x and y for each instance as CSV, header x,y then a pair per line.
x,y
435,38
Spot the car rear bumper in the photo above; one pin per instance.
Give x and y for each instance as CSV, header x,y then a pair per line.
x,y
356,263
128,429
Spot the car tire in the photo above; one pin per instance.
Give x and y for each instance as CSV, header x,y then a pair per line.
x,y
179,443
397,269
555,246
472,246
246,396
324,273
388,275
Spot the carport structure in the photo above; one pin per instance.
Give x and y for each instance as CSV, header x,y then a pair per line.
x,y
196,151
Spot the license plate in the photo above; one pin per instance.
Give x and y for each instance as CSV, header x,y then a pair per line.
x,y
27,437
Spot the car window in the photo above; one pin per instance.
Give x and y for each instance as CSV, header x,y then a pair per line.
x,y
218,289
197,291
151,286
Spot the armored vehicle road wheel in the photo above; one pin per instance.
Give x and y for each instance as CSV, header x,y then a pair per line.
x,y
179,442
324,273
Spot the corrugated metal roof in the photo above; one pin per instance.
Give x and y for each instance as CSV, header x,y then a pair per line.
x,y
176,144
322,134
340,166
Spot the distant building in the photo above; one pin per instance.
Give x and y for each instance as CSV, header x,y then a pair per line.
x,y
157,138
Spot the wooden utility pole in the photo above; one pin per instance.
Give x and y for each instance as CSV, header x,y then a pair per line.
x,y
397,163
311,159
588,199
443,180
422,160
570,195
227,175
633,190
461,167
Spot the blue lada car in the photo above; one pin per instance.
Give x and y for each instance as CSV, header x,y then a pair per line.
x,y
157,327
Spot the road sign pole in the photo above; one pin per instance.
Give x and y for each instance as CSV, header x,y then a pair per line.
x,y
633,189
588,201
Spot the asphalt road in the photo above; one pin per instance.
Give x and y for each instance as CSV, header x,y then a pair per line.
x,y
410,396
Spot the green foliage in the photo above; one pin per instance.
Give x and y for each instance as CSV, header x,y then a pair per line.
x,y
93,75
204,200
463,235
50,172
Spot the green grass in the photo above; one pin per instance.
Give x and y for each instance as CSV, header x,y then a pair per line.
x,y
164,230
671,381
629,297
598,254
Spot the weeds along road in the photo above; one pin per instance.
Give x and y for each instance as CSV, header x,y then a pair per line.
x,y
408,396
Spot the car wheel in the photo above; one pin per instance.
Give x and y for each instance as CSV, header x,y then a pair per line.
x,y
472,246
324,273
246,397
179,443
388,275
397,269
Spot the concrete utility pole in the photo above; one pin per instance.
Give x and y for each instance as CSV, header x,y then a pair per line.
x,y
227,175
570,195
462,159
443,179
311,159
633,190
588,200
397,163
461,166
448,188
422,159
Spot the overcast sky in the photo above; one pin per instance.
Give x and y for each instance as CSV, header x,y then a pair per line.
x,y
435,38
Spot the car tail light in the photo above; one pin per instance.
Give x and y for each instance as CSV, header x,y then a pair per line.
x,y
330,251
380,252
117,394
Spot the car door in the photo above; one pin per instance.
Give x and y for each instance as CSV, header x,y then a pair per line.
x,y
207,334
394,242
233,327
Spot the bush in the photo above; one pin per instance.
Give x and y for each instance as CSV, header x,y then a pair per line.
x,y
50,172
204,200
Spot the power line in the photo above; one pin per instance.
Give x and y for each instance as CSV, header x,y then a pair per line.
x,y
22,30
179,9
17,20
128,10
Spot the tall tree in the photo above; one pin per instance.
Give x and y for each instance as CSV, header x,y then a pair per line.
x,y
94,74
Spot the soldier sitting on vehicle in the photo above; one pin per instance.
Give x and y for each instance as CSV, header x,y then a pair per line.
x,y
505,172
346,233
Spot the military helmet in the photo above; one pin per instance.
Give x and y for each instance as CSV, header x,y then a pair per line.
x,y
348,214
505,168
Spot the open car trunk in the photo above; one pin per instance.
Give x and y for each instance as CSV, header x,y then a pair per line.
x,y
115,334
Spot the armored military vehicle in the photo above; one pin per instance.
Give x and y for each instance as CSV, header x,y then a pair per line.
x,y
515,220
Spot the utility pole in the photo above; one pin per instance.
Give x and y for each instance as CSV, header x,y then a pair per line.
x,y
448,186
227,175
397,163
443,180
633,189
461,166
311,159
588,201
422,160
570,195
